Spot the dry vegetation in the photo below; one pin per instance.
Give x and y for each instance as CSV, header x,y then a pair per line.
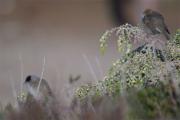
x,y
142,84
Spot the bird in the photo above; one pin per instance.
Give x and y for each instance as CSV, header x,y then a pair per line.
x,y
39,90
37,87
154,22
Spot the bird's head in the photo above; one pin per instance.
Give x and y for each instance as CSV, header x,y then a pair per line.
x,y
148,12
32,81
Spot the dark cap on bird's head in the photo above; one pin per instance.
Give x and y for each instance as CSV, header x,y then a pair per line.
x,y
33,80
28,79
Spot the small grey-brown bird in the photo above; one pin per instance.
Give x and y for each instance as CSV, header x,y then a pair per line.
x,y
155,23
41,92
33,82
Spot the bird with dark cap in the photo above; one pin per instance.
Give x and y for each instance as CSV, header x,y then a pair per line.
x,y
154,22
39,90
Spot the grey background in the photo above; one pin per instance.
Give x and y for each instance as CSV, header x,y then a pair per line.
x,y
63,31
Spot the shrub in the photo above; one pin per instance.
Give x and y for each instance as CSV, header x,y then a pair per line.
x,y
142,84
148,77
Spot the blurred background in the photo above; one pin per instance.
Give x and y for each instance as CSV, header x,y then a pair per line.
x,y
66,33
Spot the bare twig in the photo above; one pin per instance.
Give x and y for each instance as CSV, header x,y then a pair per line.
x,y
90,67
42,73
13,88
99,67
22,71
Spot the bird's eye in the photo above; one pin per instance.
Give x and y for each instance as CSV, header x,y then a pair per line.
x,y
28,79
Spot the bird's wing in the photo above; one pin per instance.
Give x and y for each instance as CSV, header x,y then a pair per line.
x,y
166,29
158,30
